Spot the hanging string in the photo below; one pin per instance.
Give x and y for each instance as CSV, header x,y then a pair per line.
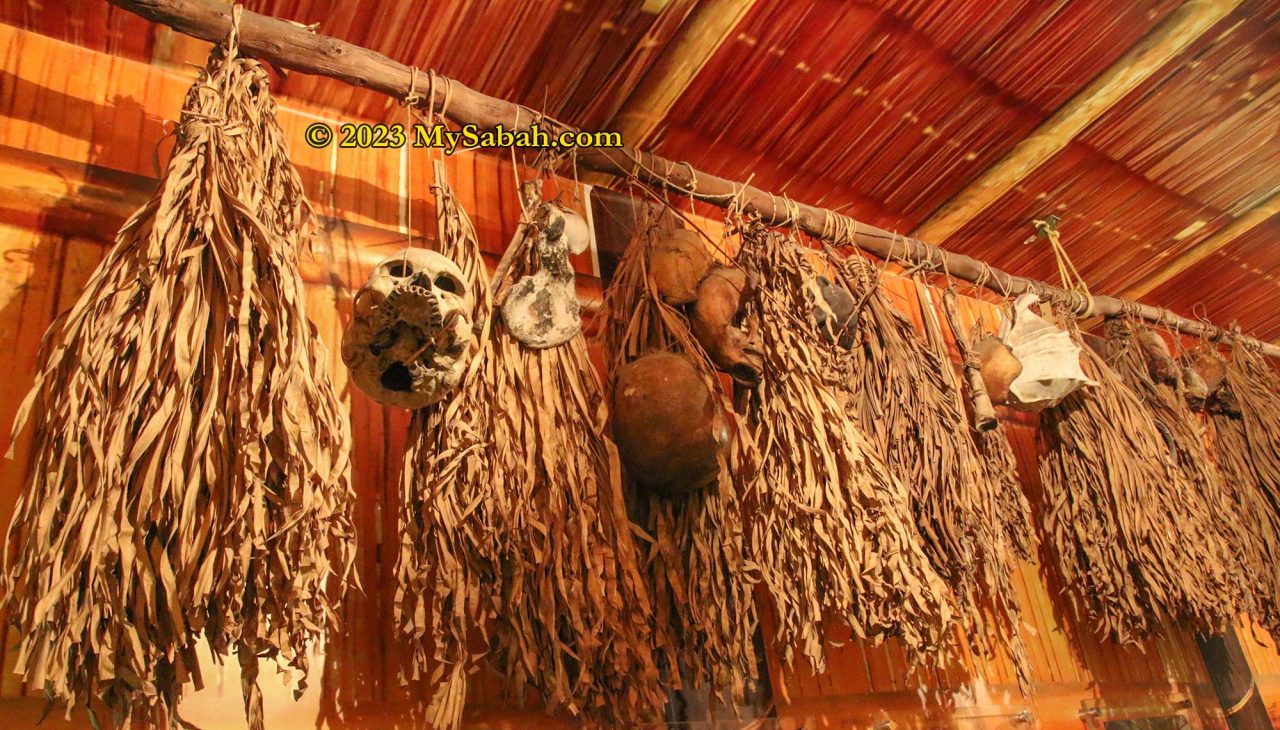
x,y
409,101
1072,281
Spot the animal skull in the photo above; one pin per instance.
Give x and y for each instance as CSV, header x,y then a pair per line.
x,y
410,337
541,310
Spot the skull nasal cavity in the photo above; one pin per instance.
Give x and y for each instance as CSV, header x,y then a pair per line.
x,y
397,378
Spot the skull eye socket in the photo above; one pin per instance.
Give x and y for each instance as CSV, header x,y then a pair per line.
x,y
446,283
399,269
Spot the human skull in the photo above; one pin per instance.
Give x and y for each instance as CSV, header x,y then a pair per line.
x,y
411,332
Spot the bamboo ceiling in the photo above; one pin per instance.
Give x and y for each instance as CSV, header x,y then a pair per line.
x,y
887,107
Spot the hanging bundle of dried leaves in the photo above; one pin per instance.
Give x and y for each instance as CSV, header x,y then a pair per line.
x,y
902,392
1204,494
993,503
449,503
830,524
1130,542
699,575
1247,446
190,457
572,615
1010,503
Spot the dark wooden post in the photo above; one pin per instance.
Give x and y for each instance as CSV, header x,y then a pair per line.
x,y
1233,681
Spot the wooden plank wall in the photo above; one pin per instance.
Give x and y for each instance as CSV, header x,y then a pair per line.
x,y
78,137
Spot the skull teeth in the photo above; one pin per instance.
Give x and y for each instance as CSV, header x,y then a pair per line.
x,y
414,304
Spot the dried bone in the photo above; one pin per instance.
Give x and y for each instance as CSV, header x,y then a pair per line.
x,y
541,309
409,339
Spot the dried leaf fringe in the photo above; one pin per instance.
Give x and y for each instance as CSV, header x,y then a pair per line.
x,y
1119,522
1011,506
451,505
1218,525
1247,448
993,508
190,457
573,617
830,524
698,571
903,393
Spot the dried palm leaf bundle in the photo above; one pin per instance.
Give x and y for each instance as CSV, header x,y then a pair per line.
x,y
1246,442
699,575
830,523
1132,548
449,503
572,615
1011,507
1141,358
988,497
903,393
190,456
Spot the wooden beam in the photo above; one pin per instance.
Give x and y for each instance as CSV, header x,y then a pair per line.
x,y
1233,681
291,46
708,26
1183,26
1254,217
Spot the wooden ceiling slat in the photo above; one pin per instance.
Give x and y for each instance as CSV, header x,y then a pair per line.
x,y
1193,19
1240,282
847,89
1242,226
1208,125
1117,227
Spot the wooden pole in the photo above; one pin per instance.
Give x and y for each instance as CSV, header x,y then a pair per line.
x,y
1183,26
293,46
1233,681
706,29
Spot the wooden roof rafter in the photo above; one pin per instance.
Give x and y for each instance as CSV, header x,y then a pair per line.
x,y
1183,27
